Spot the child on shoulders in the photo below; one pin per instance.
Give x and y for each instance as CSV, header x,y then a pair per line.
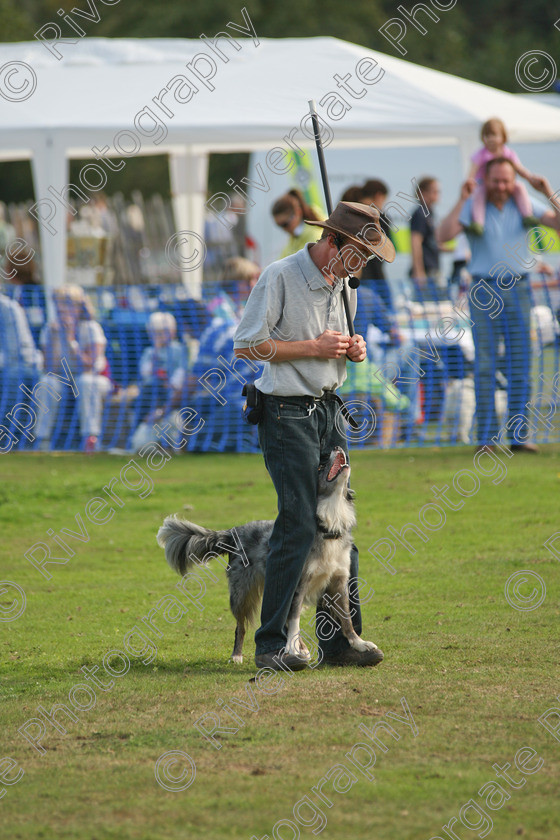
x,y
494,137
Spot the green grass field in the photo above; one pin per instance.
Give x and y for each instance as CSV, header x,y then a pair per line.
x,y
476,672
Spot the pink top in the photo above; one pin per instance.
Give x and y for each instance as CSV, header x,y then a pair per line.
x,y
482,156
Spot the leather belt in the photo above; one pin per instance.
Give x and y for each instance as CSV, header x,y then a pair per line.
x,y
326,396
330,396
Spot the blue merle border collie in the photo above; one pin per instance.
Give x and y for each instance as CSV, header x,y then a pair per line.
x,y
326,571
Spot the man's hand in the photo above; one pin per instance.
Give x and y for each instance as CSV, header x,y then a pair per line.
x,y
539,182
332,345
450,227
550,218
467,188
357,350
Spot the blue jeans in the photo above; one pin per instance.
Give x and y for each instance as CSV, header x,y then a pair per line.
x,y
513,324
294,442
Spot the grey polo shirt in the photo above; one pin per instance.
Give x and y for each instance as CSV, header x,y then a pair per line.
x,y
292,301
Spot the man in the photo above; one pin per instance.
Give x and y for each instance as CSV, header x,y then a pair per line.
x,y
381,314
295,319
20,362
423,243
500,296
374,193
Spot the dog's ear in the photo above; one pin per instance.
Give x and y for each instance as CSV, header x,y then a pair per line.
x,y
350,494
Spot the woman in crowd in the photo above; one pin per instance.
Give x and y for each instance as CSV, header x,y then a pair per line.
x,y
289,212
78,338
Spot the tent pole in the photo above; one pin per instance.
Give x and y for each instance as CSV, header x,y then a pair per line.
x,y
186,250
50,167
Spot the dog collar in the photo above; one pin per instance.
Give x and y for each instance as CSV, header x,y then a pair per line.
x,y
328,535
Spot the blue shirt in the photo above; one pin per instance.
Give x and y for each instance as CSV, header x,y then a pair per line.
x,y
371,310
162,362
503,234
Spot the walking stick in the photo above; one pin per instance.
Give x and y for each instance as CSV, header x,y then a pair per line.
x,y
353,282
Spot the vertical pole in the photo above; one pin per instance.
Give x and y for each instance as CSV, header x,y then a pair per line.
x,y
328,202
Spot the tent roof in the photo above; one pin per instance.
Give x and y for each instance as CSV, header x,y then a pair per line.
x,y
260,94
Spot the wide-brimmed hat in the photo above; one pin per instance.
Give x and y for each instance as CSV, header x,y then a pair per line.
x,y
360,223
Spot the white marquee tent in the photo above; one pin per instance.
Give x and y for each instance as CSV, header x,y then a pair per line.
x,y
187,98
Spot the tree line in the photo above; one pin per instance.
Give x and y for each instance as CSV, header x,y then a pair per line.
x,y
479,40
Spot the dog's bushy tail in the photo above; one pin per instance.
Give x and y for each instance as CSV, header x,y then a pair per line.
x,y
187,544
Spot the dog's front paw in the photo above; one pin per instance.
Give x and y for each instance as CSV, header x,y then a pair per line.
x,y
237,660
301,648
361,645
295,647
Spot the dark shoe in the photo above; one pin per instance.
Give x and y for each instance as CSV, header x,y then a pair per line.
x,y
349,656
280,661
530,448
484,448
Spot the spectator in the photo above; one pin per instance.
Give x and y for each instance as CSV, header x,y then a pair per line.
x,y
386,346
459,279
215,393
219,296
423,243
21,269
375,314
134,232
220,235
375,192
494,138
192,318
224,429
102,215
161,360
289,212
17,348
158,365
94,382
506,311
240,276
365,382
353,193
80,340
20,361
365,385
